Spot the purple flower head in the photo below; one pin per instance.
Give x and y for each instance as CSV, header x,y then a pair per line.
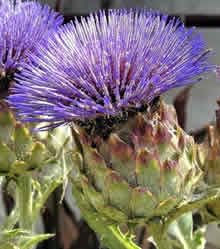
x,y
108,64
23,26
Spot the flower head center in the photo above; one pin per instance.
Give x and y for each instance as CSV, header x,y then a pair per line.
x,y
5,83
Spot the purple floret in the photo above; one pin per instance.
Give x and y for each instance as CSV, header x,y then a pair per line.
x,y
23,26
106,64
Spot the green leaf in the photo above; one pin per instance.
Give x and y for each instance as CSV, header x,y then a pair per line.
x,y
182,230
110,235
8,234
20,239
30,241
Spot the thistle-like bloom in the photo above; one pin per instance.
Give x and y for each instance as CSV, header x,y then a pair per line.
x,y
107,65
23,26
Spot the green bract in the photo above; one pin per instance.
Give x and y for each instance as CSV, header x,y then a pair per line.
x,y
22,151
145,169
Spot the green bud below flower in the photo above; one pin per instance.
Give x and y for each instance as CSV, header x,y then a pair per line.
x,y
144,169
22,151
209,162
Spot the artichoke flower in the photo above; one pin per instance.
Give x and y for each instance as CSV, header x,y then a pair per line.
x,y
23,26
103,76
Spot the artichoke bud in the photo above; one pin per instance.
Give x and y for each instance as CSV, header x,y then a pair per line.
x,y
144,169
20,150
209,156
209,152
209,162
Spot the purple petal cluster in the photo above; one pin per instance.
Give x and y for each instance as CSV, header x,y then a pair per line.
x,y
23,26
108,63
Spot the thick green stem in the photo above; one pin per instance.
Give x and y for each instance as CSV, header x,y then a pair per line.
x,y
155,228
208,196
110,235
11,220
40,202
24,197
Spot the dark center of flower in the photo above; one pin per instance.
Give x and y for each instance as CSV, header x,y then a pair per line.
x,y
6,80
104,126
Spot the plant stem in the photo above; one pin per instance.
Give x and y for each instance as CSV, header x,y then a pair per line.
x,y
11,220
25,202
156,229
40,202
110,235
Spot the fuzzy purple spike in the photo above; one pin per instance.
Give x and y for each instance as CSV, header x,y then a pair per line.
x,y
106,64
